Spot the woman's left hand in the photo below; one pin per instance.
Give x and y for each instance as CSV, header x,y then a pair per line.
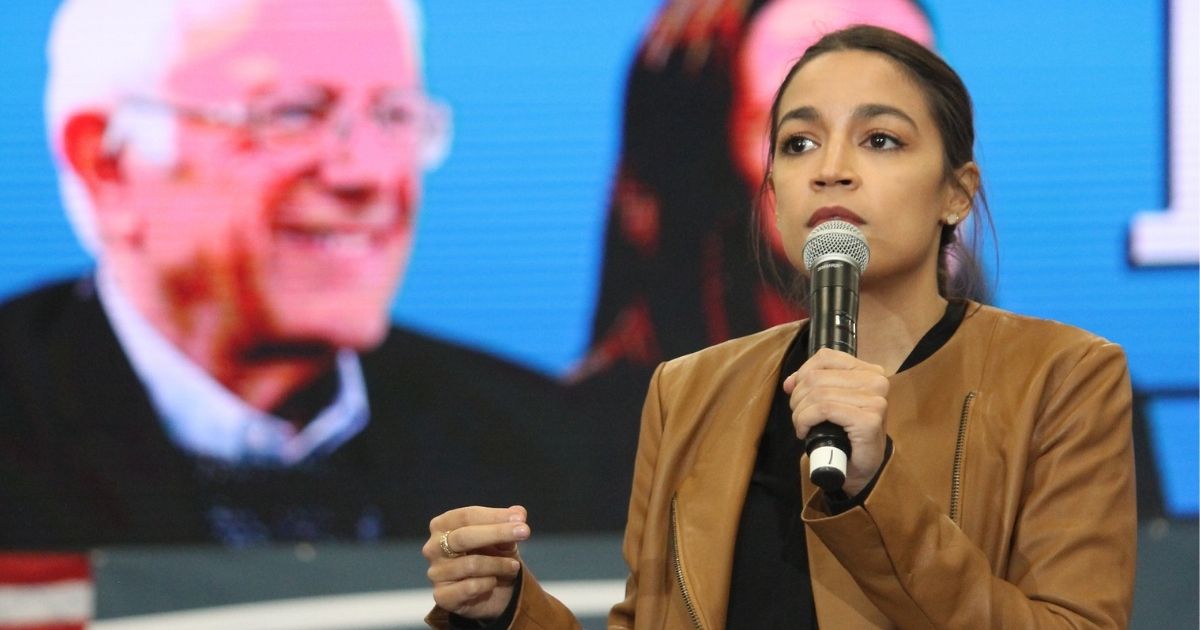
x,y
837,387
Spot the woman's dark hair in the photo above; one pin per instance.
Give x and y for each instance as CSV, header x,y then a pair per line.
x,y
950,106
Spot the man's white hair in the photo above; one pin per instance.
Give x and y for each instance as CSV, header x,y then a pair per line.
x,y
101,51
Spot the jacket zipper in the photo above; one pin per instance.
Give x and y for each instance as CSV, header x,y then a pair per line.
x,y
960,447
683,589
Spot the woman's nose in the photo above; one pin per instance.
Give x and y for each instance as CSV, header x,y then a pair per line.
x,y
836,168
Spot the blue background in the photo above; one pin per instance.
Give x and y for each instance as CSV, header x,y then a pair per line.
x,y
1071,103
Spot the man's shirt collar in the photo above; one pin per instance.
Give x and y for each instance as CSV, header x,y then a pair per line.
x,y
204,418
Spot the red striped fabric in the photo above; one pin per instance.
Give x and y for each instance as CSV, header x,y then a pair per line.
x,y
39,568
45,591
75,625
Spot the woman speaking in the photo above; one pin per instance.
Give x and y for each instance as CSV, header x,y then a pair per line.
x,y
989,480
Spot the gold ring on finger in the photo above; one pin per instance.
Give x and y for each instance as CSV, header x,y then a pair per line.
x,y
444,543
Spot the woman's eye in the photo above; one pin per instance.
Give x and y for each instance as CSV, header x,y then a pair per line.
x,y
797,144
883,142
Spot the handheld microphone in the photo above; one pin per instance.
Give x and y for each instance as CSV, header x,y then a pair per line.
x,y
836,255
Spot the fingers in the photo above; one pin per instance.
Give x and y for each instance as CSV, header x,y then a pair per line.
x,y
476,515
497,540
840,388
473,562
831,393
853,418
454,596
837,387
493,531
831,365
471,538
473,566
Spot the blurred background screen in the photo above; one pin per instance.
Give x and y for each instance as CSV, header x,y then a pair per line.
x,y
1080,155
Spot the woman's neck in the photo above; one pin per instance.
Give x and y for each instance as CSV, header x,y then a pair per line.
x,y
890,323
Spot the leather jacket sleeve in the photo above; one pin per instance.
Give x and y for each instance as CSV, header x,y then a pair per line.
x,y
650,435
1072,557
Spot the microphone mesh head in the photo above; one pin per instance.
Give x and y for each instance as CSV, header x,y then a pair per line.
x,y
836,238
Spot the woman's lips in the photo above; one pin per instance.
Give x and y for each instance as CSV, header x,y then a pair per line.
x,y
829,213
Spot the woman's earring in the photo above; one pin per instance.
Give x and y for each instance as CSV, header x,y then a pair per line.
x,y
952,219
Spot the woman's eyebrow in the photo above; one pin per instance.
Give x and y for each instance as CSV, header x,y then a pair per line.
x,y
808,113
872,110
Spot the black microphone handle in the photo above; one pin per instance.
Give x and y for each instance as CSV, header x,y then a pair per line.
x,y
833,306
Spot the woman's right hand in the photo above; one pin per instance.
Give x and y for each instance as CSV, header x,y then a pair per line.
x,y
473,559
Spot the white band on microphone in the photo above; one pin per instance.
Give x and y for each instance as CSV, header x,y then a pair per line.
x,y
828,457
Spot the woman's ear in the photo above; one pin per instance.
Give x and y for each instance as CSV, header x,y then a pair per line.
x,y
963,193
83,144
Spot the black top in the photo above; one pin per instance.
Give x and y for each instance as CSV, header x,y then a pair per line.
x,y
771,586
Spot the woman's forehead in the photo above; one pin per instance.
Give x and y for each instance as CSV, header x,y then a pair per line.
x,y
838,82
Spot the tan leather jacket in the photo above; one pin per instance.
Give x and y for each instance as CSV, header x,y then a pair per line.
x,y
1008,501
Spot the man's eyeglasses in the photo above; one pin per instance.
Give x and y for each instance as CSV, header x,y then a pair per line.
x,y
404,117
